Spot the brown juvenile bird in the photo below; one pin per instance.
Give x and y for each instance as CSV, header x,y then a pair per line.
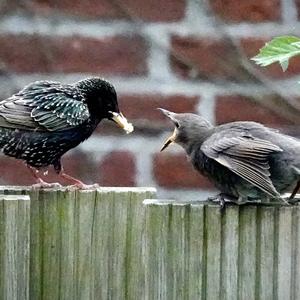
x,y
245,160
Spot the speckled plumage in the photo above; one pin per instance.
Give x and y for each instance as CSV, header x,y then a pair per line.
x,y
245,160
46,119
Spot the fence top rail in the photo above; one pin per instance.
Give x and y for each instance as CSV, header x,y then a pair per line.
x,y
98,189
172,202
14,197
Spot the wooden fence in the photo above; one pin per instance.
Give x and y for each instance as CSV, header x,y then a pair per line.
x,y
195,251
111,244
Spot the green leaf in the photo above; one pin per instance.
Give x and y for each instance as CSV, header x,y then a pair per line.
x,y
280,50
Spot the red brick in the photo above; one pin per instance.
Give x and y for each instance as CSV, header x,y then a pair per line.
x,y
242,108
141,110
77,164
247,11
114,55
14,172
88,8
206,59
118,169
174,171
144,107
155,10
251,48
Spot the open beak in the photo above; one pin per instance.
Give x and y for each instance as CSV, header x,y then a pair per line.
x,y
172,138
169,141
122,122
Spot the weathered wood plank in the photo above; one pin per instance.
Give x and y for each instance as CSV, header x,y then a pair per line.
x,y
50,235
265,259
284,270
2,249
178,251
23,247
14,247
247,252
66,211
230,253
120,224
36,213
84,230
157,265
196,259
118,275
296,254
102,245
213,251
135,280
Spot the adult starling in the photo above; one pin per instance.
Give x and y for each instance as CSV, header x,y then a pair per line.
x,y
46,119
245,160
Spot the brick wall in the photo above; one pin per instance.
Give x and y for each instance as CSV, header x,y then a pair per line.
x,y
182,55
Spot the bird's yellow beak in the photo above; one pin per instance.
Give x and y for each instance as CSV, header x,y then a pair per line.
x,y
169,141
122,122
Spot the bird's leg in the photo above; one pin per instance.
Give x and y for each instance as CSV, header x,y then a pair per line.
x,y
295,191
76,182
71,179
40,183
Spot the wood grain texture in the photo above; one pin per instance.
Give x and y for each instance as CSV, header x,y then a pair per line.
x,y
14,247
196,251
157,266
213,251
230,256
284,269
84,244
266,253
112,244
196,259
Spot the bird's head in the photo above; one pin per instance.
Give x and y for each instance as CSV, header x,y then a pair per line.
x,y
102,101
189,129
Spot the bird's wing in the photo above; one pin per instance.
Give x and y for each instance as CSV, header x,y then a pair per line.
x,y
44,106
246,156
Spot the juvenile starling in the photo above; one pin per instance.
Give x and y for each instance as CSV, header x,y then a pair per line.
x,y
46,119
245,160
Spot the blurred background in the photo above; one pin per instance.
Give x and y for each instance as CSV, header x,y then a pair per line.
x,y
182,55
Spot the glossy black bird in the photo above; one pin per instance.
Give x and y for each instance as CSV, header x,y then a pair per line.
x,y
245,160
46,119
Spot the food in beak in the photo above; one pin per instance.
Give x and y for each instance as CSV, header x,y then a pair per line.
x,y
121,121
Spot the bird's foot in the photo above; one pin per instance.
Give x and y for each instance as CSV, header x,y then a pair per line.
x,y
294,201
221,199
43,184
76,183
82,186
287,201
